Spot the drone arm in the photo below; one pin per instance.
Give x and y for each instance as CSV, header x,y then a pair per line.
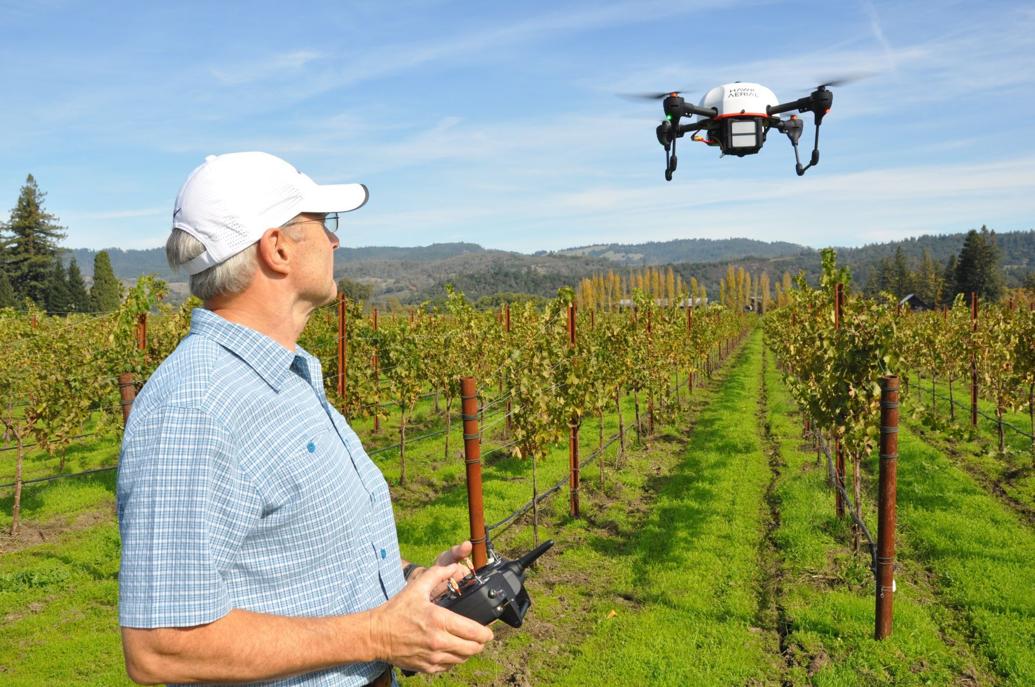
x,y
688,110
801,105
693,126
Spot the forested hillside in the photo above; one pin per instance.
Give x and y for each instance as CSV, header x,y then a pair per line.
x,y
687,250
413,274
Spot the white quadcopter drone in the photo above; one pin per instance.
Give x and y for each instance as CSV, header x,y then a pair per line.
x,y
736,117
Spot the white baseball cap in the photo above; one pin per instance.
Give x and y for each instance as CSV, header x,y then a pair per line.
x,y
229,201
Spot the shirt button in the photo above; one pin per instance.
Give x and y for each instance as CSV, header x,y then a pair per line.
x,y
311,447
384,554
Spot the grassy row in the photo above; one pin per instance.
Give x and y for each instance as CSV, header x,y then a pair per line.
x,y
1013,474
594,581
979,553
681,602
965,562
827,597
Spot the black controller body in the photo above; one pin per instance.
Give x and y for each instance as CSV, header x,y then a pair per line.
x,y
496,591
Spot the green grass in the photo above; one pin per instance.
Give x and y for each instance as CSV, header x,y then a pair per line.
x,y
981,555
978,448
58,605
684,581
828,592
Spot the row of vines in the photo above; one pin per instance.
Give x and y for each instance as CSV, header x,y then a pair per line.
x,y
833,358
547,367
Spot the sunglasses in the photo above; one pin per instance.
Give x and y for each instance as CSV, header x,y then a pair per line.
x,y
330,222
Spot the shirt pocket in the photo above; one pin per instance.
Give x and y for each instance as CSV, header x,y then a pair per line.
x,y
301,473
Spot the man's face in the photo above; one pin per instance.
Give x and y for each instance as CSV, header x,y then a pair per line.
x,y
314,277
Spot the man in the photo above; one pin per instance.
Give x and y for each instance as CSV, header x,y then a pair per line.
x,y
258,541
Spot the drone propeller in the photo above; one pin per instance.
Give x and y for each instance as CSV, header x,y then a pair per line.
x,y
650,96
845,79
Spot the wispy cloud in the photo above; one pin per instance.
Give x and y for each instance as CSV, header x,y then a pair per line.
x,y
878,33
74,215
278,65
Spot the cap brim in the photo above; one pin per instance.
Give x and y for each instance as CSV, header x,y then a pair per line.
x,y
335,198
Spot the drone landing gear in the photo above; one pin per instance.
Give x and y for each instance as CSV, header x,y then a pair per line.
x,y
670,160
792,127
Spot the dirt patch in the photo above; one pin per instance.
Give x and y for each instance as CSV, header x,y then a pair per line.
x,y
818,662
35,533
30,609
771,613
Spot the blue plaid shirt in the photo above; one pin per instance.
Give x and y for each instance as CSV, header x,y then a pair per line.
x,y
240,486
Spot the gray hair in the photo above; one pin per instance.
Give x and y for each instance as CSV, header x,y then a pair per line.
x,y
229,277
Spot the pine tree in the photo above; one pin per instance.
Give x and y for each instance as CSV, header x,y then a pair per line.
x,y
949,279
79,296
106,292
33,245
977,268
880,277
1029,283
59,298
901,276
8,299
928,280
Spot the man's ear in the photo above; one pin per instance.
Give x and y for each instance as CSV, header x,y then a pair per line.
x,y
275,249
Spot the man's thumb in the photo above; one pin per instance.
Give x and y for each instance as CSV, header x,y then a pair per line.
x,y
434,576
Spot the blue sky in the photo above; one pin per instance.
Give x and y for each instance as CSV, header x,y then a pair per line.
x,y
498,123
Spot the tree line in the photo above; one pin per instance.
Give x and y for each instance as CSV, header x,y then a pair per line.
x,y
32,270
976,268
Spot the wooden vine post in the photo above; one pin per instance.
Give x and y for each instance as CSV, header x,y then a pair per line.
x,y
342,351
377,383
127,385
506,321
839,476
650,392
689,336
128,393
573,430
142,331
886,507
973,360
473,461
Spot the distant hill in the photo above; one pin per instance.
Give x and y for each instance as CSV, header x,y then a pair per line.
x,y
130,264
415,274
685,250
127,264
1017,258
436,251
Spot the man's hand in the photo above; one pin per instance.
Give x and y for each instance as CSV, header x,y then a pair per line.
x,y
455,554
415,634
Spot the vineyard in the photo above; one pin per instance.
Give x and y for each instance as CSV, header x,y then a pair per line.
x,y
710,475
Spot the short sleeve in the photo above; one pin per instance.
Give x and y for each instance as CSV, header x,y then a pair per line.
x,y
184,508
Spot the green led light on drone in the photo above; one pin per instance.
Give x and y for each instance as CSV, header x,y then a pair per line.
x,y
668,117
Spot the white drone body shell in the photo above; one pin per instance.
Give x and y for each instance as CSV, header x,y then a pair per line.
x,y
739,98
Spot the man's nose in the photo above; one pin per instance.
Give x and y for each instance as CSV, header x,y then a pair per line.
x,y
334,239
